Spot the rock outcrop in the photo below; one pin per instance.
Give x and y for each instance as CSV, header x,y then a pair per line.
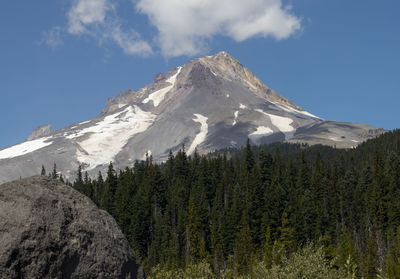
x,y
41,131
49,230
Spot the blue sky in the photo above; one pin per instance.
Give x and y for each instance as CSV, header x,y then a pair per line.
x,y
60,59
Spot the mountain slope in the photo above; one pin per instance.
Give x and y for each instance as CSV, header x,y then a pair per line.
x,y
209,103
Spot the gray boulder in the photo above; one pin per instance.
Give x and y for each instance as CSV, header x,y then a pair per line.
x,y
49,230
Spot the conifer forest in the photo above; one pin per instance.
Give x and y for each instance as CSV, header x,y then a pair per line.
x,y
273,211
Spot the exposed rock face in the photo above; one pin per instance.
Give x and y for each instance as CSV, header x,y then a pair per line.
x,y
158,77
49,230
41,131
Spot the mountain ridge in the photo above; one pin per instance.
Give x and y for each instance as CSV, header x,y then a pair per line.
x,y
206,104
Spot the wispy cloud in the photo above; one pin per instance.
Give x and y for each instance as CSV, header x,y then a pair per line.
x,y
184,27
130,41
52,37
86,14
97,18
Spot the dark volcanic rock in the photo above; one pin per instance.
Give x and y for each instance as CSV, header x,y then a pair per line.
x,y
49,230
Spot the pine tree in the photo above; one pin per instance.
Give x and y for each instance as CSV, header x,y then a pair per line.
x,y
392,180
249,157
98,187
286,234
243,247
87,186
193,235
78,183
370,257
54,174
236,206
43,172
268,248
392,260
346,249
109,190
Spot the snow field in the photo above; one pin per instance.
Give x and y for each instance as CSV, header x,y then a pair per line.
x,y
24,148
110,135
281,123
261,131
236,114
201,136
158,96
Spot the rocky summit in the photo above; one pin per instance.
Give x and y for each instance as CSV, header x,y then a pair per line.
x,y
49,230
209,103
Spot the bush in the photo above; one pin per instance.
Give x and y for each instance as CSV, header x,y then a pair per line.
x,y
201,270
309,262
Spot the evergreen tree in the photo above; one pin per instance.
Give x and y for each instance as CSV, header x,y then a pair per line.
x,y
54,174
193,234
243,247
392,261
43,171
346,249
78,183
87,186
109,190
249,157
286,234
370,257
268,248
260,203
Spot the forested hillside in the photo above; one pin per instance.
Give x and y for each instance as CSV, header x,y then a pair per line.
x,y
262,212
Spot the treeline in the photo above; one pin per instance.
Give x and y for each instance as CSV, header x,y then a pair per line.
x,y
238,209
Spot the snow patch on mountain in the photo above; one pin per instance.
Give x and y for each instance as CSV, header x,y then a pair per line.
x,y
236,114
159,95
291,110
24,148
261,131
281,123
110,135
201,136
242,106
307,113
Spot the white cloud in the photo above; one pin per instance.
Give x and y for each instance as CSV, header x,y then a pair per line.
x,y
97,18
85,13
52,37
185,26
130,42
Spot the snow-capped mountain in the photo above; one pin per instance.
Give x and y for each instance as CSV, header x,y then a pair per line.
x,y
207,104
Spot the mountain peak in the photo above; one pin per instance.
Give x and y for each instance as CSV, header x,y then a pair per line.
x,y
224,57
222,54
209,103
229,67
